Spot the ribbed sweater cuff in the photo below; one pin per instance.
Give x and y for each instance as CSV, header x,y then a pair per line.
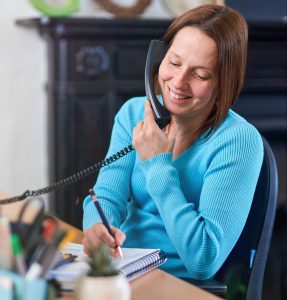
x,y
91,215
159,173
155,162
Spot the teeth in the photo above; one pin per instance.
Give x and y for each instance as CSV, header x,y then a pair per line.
x,y
176,96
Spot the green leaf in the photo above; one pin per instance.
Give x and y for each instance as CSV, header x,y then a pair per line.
x,y
101,262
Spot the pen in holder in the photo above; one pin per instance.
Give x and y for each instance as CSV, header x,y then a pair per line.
x,y
32,240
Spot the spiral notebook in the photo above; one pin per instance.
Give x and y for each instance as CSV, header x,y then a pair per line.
x,y
134,263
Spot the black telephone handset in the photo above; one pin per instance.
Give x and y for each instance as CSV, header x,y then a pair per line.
x,y
156,53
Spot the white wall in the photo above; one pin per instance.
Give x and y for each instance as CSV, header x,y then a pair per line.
x,y
23,102
23,157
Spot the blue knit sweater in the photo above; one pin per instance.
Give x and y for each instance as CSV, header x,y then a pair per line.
x,y
193,207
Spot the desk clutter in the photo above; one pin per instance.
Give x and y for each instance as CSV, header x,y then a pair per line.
x,y
134,263
28,250
38,260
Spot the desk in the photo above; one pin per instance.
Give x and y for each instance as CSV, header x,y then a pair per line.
x,y
153,285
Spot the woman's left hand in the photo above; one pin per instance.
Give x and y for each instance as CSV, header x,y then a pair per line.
x,y
149,140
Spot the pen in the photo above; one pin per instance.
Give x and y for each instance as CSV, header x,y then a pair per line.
x,y
35,268
104,219
34,271
44,255
48,261
18,255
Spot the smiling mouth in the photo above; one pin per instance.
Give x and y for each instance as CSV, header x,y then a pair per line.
x,y
177,98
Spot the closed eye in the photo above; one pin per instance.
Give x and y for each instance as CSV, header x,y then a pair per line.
x,y
174,64
201,77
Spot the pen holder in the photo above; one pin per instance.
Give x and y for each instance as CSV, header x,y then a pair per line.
x,y
16,287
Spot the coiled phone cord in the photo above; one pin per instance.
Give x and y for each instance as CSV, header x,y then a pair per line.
x,y
71,179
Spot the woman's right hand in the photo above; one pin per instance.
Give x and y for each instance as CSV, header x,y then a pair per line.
x,y
98,234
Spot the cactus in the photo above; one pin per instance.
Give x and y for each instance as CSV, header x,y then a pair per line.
x,y
101,263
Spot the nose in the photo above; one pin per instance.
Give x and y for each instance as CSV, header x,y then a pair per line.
x,y
180,79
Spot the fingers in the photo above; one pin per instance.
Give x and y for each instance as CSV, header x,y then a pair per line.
x,y
139,126
98,234
149,115
149,140
149,119
172,129
86,245
136,139
119,236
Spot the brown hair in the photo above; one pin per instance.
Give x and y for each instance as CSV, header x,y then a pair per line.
x,y
230,32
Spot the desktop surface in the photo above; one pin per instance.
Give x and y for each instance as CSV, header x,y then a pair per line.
x,y
153,285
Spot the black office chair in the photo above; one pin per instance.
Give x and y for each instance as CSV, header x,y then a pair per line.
x,y
241,276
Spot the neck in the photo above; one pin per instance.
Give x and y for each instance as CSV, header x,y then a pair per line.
x,y
188,132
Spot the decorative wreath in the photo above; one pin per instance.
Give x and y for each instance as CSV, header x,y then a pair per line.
x,y
123,11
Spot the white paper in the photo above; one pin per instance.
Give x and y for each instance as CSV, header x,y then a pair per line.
x,y
80,266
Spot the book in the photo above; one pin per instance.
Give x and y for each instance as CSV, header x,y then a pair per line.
x,y
134,263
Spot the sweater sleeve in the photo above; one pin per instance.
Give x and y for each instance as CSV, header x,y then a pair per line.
x,y
204,236
113,184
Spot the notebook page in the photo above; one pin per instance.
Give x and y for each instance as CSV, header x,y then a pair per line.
x,y
129,254
132,265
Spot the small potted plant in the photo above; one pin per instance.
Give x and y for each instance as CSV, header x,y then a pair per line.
x,y
103,280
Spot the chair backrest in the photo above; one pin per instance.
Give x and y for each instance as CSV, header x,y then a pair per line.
x,y
243,271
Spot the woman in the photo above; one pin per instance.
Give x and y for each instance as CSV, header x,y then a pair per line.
x,y
186,189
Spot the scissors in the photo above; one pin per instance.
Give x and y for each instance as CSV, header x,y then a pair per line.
x,y
42,227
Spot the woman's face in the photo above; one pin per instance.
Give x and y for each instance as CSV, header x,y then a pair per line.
x,y
187,74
